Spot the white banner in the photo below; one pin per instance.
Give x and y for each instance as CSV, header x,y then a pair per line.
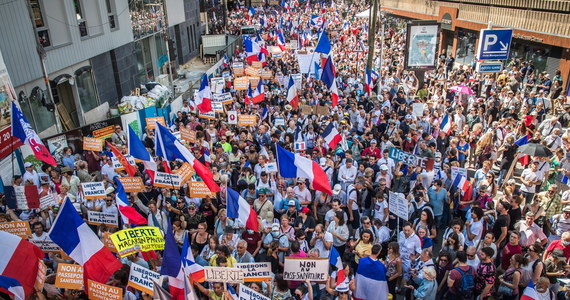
x,y
98,218
259,271
93,190
166,180
301,269
142,279
224,274
398,205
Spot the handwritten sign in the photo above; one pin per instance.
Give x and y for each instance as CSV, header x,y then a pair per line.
x,y
279,121
217,84
92,144
259,271
238,71
246,293
117,165
41,277
93,190
224,98
19,228
254,81
151,122
266,74
217,107
47,201
241,84
237,64
69,277
398,205
27,197
247,120
224,274
185,172
301,269
132,184
251,71
99,217
99,291
458,170
188,135
132,240
142,279
104,133
411,159
198,189
211,115
108,242
47,246
166,180
256,64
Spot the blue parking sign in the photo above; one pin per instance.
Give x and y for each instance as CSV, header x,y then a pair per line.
x,y
494,44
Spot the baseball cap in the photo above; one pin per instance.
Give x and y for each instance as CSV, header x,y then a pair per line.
x,y
291,202
275,227
27,164
323,161
384,167
336,189
305,210
373,141
408,116
566,208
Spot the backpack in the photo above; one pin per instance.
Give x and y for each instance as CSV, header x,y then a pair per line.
x,y
467,283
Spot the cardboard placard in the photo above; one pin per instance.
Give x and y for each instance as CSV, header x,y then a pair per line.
x,y
47,246
398,205
458,170
300,146
142,279
241,84
185,171
108,242
246,293
279,121
224,98
411,159
99,217
266,74
322,110
133,240
211,115
41,277
93,190
104,133
188,135
27,197
251,71
132,184
276,55
166,180
69,277
302,268
198,189
19,228
256,64
47,201
217,107
237,64
224,274
217,84
150,122
259,271
247,120
232,117
307,109
99,291
254,81
117,164
238,71
92,144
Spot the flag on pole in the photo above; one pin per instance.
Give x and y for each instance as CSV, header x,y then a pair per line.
x,y
195,271
204,97
19,261
172,265
293,165
239,209
324,45
128,213
292,96
530,292
138,150
331,135
368,85
123,160
329,78
336,260
281,41
22,130
13,286
258,94
445,125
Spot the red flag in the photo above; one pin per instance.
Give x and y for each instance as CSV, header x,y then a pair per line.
x,y
123,160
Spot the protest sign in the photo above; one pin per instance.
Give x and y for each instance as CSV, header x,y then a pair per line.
x,y
211,115
103,133
237,64
276,55
307,109
241,84
47,246
418,109
185,172
92,144
47,201
99,291
117,164
198,189
142,279
224,98
301,269
398,205
279,121
238,71
292,44
224,274
246,293
259,271
41,277
132,184
322,110
251,71
151,122
272,167
266,74
19,228
99,217
27,197
226,75
217,84
247,120
458,170
187,135
132,240
298,79
232,117
108,242
411,159
166,180
256,64
217,107
300,146
69,277
93,190
254,81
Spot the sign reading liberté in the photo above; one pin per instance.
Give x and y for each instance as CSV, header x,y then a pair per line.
x,y
301,269
224,274
132,240
246,293
411,159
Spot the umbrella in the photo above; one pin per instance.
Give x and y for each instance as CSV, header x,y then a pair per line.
x,y
534,149
462,89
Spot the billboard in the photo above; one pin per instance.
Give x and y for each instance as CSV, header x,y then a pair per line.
x,y
422,45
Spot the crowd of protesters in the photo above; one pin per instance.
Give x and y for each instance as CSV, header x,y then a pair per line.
x,y
491,241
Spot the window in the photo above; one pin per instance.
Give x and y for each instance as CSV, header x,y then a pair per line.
x,y
81,22
86,91
111,14
41,26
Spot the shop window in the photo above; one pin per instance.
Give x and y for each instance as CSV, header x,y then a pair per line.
x,y
35,111
465,53
81,22
86,90
41,26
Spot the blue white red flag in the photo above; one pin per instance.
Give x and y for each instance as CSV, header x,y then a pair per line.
x,y
22,130
293,165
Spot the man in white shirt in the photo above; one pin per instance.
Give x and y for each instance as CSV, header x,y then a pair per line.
x,y
302,192
531,233
530,178
347,173
547,126
335,203
474,229
472,257
328,169
322,240
410,245
108,171
31,175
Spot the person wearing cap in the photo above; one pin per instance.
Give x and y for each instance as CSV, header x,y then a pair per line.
x,y
547,126
559,224
530,179
109,206
289,200
108,170
31,175
302,193
555,267
305,222
530,232
328,169
263,206
276,235
372,150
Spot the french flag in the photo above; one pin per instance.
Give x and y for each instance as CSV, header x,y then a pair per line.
x,y
336,260
77,240
252,49
331,136
316,20
329,78
232,292
239,209
262,56
522,141
226,60
292,96
189,265
13,286
170,148
22,130
251,12
368,85
461,182
293,165
565,180
19,261
530,292
123,160
258,94
370,284
128,213
445,125
207,158
324,44
172,265
138,151
281,41
249,95
204,97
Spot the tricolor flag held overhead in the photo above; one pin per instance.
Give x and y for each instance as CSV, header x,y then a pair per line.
x,y
251,11
530,293
131,170
445,125
522,141
461,182
13,287
19,260
292,96
281,41
331,135
329,78
204,97
368,84
293,165
324,45
128,213
370,280
172,265
77,240
240,210
191,268
170,148
252,49
139,151
336,260
258,94
317,20
22,130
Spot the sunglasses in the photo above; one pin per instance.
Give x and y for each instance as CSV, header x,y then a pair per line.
x,y
470,255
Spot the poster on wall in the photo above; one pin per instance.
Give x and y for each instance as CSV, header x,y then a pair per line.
x,y
56,145
422,41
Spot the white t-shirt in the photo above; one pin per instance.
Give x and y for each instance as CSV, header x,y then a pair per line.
x,y
379,210
529,175
477,230
323,252
409,245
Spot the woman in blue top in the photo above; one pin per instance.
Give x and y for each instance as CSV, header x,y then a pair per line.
x,y
463,148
